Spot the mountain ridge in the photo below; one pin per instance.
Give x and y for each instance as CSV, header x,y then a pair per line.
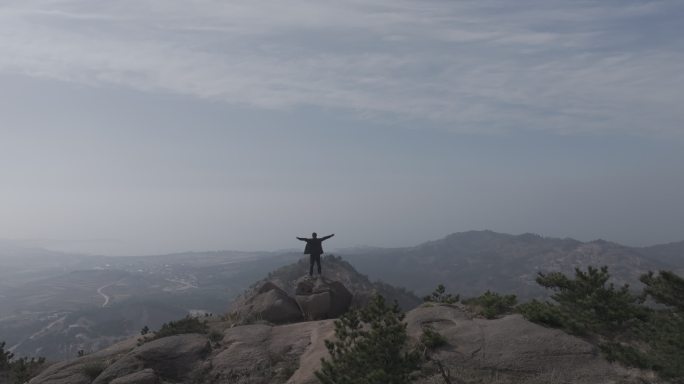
x,y
475,261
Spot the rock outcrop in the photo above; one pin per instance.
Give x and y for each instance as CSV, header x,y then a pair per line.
x,y
247,354
322,298
514,350
268,303
75,371
337,269
315,299
503,351
173,357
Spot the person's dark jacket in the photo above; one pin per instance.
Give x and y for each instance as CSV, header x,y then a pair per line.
x,y
314,246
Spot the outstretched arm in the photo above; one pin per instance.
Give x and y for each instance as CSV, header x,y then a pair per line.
x,y
301,238
327,237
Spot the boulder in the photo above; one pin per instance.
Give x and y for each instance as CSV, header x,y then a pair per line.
x,y
518,350
72,371
171,357
269,303
322,298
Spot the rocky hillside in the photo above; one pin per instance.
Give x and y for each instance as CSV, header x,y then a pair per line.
x,y
501,351
671,254
472,262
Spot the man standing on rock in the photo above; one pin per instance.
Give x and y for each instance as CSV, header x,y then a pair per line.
x,y
314,248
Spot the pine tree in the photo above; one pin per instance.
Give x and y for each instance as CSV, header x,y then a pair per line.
x,y
371,347
664,333
18,370
626,330
439,295
589,304
5,357
667,288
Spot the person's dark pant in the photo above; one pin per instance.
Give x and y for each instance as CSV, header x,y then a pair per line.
x,y
314,258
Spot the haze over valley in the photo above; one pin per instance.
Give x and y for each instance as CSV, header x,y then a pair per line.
x,y
55,304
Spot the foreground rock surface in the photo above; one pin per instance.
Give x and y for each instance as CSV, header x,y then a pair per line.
x,y
506,350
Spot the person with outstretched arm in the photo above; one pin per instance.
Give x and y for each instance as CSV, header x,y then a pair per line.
x,y
314,248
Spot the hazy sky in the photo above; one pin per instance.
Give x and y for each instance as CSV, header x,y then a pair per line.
x,y
150,126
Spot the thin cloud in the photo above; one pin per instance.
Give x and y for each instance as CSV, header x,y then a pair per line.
x,y
475,66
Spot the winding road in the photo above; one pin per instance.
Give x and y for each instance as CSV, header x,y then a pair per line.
x,y
104,295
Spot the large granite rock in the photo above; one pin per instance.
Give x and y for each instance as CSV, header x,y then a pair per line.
x,y
263,354
73,371
322,298
517,350
268,303
170,358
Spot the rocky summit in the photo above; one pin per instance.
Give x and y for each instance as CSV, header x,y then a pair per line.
x,y
505,350
315,299
294,280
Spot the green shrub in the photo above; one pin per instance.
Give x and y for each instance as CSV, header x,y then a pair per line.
x,y
542,313
19,370
627,355
432,339
492,305
215,336
188,324
93,369
439,295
